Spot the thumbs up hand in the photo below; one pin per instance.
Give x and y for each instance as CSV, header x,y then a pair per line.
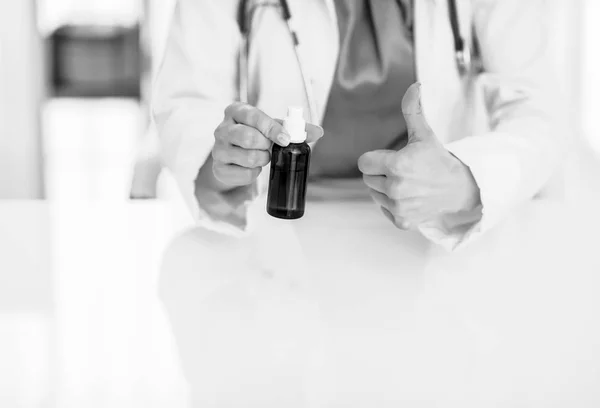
x,y
421,182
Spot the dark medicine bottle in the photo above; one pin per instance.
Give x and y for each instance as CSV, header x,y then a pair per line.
x,y
289,170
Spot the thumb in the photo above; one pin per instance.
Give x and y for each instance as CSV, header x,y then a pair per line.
x,y
412,109
313,132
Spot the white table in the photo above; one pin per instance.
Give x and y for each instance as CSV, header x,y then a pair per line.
x,y
359,314
499,325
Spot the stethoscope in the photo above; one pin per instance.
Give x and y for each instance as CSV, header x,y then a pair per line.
x,y
245,17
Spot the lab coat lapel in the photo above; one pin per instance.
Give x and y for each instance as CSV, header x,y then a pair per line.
x,y
424,33
427,16
316,24
275,78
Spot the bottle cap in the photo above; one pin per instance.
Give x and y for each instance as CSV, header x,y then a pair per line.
x,y
295,125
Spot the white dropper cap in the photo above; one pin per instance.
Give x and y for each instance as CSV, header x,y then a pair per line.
x,y
295,125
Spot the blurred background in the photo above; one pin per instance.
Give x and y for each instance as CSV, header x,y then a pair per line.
x,y
80,324
82,223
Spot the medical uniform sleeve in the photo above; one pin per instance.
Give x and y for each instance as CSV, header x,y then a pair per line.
x,y
196,81
516,159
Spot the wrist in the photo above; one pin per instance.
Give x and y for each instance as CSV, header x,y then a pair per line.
x,y
469,197
207,180
473,194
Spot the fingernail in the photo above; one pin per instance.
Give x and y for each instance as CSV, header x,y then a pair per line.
x,y
283,139
321,130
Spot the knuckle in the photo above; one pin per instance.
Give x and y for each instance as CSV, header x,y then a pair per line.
x,y
252,115
245,114
397,208
232,109
251,138
220,131
264,158
218,171
252,158
404,226
243,137
396,168
394,165
218,154
400,223
271,129
394,187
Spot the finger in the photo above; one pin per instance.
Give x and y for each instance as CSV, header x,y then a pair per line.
x,y
375,163
313,132
246,137
245,114
234,175
412,108
415,211
405,220
249,158
382,200
400,224
377,183
395,207
388,215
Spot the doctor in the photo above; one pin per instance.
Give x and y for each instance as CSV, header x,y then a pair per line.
x,y
446,145
467,143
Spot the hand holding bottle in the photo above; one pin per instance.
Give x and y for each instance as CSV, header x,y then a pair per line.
x,y
243,143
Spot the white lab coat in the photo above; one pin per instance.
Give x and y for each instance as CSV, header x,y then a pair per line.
x,y
501,123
